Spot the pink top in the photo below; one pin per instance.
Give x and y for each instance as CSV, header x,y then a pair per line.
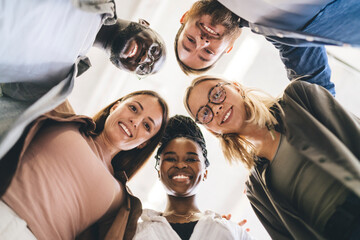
x,y
62,185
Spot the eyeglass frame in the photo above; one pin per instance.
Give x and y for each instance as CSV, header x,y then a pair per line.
x,y
152,62
220,84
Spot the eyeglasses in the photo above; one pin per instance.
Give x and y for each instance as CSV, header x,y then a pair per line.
x,y
217,95
145,68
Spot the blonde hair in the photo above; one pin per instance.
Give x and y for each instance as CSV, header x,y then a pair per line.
x,y
259,111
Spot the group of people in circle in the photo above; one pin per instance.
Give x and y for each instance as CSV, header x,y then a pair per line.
x,y
63,175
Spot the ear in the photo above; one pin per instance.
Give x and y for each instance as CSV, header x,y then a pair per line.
x,y
142,145
144,22
205,175
114,106
182,19
239,88
229,49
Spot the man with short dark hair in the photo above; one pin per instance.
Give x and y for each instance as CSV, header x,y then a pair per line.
x,y
298,29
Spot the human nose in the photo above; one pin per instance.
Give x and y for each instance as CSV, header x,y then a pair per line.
x,y
202,42
135,121
181,164
217,109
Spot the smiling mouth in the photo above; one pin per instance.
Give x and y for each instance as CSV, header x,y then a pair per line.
x,y
227,115
181,178
125,129
133,51
209,30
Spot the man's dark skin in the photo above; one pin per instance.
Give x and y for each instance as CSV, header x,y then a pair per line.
x,y
132,46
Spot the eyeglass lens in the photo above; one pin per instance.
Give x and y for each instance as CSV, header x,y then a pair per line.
x,y
217,95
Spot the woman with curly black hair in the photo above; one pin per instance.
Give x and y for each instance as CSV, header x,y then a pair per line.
x,y
181,162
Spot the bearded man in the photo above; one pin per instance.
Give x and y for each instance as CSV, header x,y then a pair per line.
x,y
43,49
298,29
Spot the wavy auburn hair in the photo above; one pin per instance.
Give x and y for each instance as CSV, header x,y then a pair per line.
x,y
259,111
132,160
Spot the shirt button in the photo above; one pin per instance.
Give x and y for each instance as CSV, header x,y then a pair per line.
x,y
348,178
309,39
322,160
280,35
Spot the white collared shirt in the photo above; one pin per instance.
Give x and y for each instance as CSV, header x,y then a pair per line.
x,y
211,226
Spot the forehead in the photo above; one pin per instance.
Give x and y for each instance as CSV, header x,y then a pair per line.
x,y
150,104
199,95
182,144
190,56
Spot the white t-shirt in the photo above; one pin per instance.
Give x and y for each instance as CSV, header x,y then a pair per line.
x,y
41,40
211,226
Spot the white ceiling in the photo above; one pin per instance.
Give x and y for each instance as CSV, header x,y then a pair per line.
x,y
253,62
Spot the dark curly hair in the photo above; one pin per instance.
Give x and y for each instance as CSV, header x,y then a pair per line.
x,y
182,126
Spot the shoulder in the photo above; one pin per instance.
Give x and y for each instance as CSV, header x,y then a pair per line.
x,y
299,88
150,221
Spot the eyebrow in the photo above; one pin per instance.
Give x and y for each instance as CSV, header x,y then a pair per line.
x,y
139,105
203,59
152,120
190,153
186,48
142,108
168,153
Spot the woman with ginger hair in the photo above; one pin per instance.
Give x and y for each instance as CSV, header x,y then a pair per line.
x,y
302,151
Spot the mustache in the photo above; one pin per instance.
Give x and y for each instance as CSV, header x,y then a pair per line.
x,y
123,36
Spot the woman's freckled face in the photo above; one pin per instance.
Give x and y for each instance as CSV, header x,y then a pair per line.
x,y
229,116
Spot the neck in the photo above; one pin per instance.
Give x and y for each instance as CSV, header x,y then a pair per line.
x,y
108,149
266,142
181,205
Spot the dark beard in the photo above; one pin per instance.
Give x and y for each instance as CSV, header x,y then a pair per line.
x,y
219,13
122,37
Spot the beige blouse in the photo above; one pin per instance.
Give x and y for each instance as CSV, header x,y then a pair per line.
x,y
62,185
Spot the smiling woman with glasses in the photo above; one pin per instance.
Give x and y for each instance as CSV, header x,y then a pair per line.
x,y
217,95
301,149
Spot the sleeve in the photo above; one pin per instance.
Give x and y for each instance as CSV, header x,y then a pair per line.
x,y
241,233
309,63
331,135
329,112
265,211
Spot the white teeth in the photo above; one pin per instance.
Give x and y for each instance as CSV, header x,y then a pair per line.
x,y
125,129
209,30
133,51
180,177
227,115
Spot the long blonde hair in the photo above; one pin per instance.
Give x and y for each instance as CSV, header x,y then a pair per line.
x,y
258,107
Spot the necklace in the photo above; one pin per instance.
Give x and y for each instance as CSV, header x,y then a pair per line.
x,y
185,216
